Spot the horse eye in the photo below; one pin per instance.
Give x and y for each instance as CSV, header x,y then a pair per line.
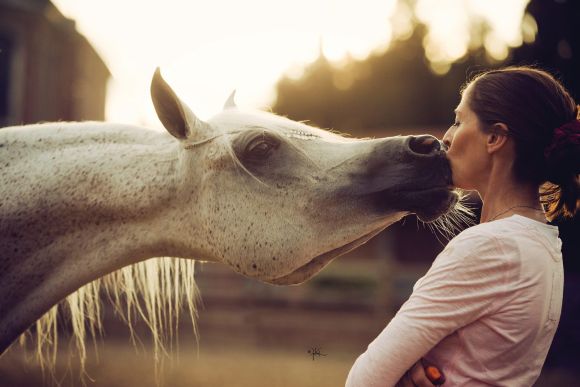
x,y
261,148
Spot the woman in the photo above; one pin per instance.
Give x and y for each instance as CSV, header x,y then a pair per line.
x,y
487,309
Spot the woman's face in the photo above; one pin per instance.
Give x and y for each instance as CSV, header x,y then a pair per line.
x,y
467,150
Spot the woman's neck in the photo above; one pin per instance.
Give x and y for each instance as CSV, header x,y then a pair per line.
x,y
503,196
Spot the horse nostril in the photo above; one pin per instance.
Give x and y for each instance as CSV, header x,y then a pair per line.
x,y
424,145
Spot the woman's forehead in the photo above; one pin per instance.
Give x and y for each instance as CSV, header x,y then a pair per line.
x,y
463,107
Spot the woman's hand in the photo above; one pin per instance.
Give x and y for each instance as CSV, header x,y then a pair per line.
x,y
422,374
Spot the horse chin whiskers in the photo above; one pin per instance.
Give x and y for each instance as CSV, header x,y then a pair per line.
x,y
459,217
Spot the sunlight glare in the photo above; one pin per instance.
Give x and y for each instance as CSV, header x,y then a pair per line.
x,y
449,33
355,29
500,14
495,46
208,48
448,29
402,21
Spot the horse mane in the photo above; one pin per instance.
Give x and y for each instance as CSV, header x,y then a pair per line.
x,y
156,290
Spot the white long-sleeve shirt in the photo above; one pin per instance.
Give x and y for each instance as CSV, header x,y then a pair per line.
x,y
485,313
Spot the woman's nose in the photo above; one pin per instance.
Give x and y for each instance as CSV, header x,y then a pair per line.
x,y
424,145
448,137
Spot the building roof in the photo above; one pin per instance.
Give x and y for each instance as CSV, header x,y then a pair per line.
x,y
47,10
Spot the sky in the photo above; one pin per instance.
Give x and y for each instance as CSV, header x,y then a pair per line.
x,y
208,48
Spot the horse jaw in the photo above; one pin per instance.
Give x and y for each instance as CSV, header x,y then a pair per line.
x,y
316,264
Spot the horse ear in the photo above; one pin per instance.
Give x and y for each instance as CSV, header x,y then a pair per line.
x,y
175,115
231,103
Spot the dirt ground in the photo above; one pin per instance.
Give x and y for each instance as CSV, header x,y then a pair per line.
x,y
121,365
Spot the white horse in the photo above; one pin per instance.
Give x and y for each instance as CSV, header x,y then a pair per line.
x,y
274,199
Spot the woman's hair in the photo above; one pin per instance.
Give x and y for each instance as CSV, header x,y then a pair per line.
x,y
542,118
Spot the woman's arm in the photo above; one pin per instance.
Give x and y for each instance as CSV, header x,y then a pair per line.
x,y
465,282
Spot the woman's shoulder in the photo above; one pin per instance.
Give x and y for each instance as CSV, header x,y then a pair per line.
x,y
509,240
483,233
476,255
509,233
491,241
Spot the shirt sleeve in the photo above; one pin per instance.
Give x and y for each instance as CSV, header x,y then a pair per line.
x,y
464,283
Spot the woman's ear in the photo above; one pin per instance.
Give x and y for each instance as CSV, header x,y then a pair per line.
x,y
497,137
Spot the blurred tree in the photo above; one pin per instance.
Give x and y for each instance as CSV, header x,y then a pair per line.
x,y
557,44
394,89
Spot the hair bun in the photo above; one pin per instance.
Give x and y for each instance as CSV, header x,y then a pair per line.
x,y
563,154
563,168
567,134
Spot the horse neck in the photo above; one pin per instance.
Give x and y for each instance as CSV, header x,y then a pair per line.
x,y
103,201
